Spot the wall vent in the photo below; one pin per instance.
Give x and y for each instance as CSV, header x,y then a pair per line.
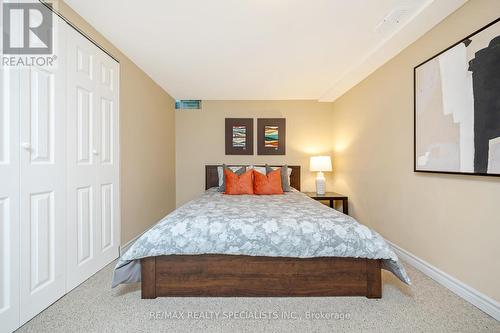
x,y
188,104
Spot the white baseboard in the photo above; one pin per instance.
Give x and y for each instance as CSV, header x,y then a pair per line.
x,y
471,295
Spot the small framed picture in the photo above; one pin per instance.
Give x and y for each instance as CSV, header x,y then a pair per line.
x,y
239,136
271,136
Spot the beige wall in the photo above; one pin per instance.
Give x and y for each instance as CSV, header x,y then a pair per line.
x,y
450,221
200,139
147,141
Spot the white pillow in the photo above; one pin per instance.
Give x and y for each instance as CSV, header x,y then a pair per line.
x,y
220,172
261,170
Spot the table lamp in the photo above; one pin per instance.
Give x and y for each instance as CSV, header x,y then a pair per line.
x,y
320,164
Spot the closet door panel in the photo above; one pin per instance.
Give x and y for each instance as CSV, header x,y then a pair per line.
x,y
42,232
91,138
84,125
81,140
42,194
107,217
108,174
85,224
42,184
41,115
9,199
106,123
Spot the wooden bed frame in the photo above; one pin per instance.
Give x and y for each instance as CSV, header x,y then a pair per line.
x,y
238,275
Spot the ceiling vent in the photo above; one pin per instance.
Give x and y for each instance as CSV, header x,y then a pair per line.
x,y
393,20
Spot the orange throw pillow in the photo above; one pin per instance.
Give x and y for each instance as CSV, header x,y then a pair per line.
x,y
242,184
267,184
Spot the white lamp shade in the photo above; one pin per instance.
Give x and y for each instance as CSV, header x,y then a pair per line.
x,y
320,163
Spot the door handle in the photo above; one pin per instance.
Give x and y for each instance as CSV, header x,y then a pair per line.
x,y
95,152
26,145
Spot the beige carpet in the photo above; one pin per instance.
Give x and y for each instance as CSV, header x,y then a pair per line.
x,y
423,307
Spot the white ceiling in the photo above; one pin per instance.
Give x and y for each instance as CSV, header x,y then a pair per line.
x,y
261,49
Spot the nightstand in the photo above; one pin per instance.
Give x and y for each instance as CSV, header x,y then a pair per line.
x,y
331,197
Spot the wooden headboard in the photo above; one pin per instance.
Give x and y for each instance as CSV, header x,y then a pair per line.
x,y
212,177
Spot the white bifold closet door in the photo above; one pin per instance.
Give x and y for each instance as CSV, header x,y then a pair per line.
x,y
92,172
42,208
9,197
9,200
59,174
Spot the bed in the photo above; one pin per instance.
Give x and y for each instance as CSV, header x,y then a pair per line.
x,y
249,245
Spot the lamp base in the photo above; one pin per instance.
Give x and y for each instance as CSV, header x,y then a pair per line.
x,y
320,183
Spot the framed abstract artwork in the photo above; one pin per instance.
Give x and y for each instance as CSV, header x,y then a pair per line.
x,y
457,107
239,136
271,136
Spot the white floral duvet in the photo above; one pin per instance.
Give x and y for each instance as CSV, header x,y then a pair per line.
x,y
288,225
